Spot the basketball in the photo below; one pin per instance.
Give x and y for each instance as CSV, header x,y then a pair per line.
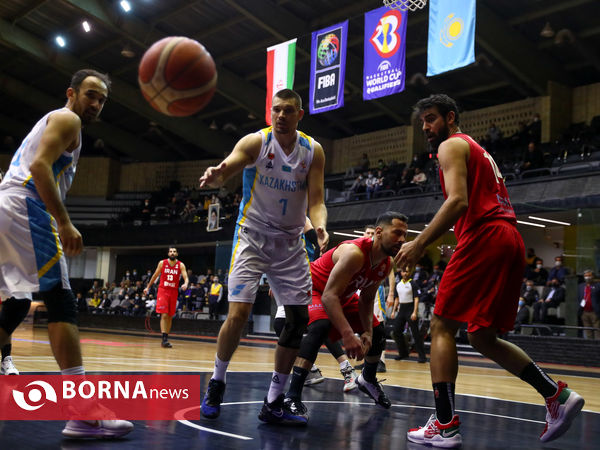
x,y
177,76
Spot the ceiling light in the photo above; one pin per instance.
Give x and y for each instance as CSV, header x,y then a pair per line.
x,y
359,232
60,41
345,234
414,231
86,26
558,222
125,5
547,31
213,126
127,51
539,225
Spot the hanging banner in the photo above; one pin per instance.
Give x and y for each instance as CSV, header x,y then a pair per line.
x,y
385,51
281,64
328,68
451,41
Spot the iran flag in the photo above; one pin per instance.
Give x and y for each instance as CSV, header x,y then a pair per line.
x,y
281,62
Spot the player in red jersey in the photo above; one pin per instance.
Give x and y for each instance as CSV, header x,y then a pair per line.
x,y
169,270
477,204
337,312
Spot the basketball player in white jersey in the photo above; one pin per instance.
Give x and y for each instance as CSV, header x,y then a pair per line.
x,y
36,232
283,172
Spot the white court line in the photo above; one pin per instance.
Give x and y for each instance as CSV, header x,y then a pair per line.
x,y
182,421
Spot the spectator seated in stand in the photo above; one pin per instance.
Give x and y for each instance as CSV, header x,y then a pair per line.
x,y
82,304
532,159
537,273
552,296
419,178
558,271
139,306
358,187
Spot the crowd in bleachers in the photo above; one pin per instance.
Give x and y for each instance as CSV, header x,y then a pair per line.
x,y
127,297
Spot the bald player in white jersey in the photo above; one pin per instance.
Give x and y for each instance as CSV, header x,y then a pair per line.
x,y
283,176
36,232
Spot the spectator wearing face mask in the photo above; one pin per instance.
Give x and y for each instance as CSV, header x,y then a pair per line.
x,y
537,273
552,296
589,305
558,271
529,294
420,277
523,315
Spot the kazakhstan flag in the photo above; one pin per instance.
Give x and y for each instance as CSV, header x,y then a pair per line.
x,y
451,35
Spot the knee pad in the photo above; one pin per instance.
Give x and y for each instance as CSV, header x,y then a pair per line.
x,y
378,343
296,321
13,311
61,305
316,335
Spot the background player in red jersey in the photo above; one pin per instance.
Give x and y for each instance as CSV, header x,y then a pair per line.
x,y
169,270
477,204
337,311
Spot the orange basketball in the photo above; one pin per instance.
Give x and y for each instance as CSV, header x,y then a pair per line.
x,y
177,76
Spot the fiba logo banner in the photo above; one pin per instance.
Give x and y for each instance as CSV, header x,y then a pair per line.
x,y
327,68
99,397
385,50
34,396
451,42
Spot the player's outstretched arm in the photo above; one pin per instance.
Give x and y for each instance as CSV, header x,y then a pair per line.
x,y
61,134
348,259
453,156
316,197
245,152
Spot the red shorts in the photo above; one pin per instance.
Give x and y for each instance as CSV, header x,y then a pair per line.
x,y
316,311
166,301
482,282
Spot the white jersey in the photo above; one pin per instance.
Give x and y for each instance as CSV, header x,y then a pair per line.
x,y
275,187
64,167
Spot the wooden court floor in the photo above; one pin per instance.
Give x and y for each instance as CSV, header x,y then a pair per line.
x,y
496,409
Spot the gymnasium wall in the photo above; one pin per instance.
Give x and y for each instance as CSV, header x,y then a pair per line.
x,y
586,103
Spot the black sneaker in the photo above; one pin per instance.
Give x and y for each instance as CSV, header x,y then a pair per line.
x,y
166,344
375,391
279,413
381,367
211,403
295,407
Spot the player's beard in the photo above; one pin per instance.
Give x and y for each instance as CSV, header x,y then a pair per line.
x,y
440,137
391,250
172,258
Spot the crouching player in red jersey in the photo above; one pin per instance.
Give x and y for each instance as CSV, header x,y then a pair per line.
x,y
336,311
477,204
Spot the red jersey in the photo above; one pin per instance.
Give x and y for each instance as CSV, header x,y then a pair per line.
x,y
488,197
365,277
169,277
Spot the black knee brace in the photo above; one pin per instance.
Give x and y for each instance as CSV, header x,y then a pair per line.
x,y
61,305
315,337
296,320
335,348
278,325
378,343
13,311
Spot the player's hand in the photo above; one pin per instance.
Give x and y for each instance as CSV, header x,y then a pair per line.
x,y
393,315
71,239
184,287
413,317
353,346
389,301
409,255
367,340
146,291
322,238
213,176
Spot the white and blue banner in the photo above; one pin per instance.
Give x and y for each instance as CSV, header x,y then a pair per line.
x,y
451,41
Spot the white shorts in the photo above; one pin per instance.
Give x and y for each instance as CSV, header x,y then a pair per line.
x,y
31,256
284,261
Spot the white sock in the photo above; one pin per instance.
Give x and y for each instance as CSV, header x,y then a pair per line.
x,y
382,356
314,368
278,383
344,364
79,370
220,372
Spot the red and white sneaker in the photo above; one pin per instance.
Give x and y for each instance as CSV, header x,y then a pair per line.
x,y
561,408
437,434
